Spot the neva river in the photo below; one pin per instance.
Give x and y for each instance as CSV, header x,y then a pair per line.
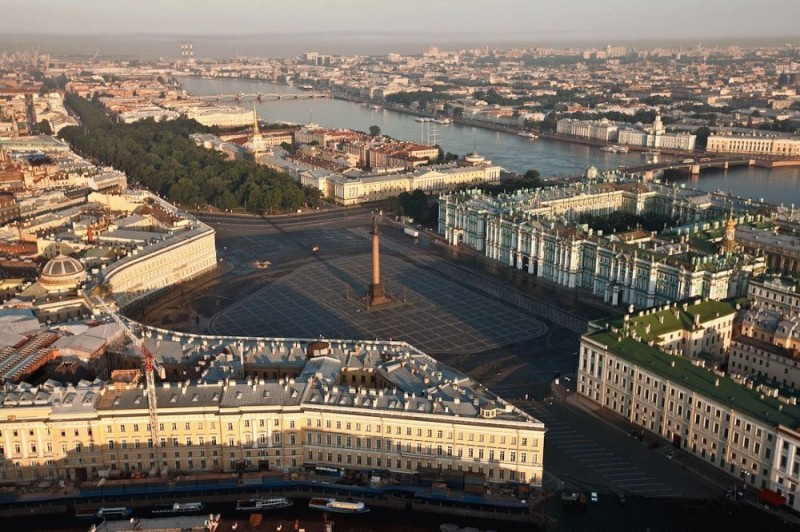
x,y
550,158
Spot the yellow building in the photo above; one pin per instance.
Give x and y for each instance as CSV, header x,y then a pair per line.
x,y
745,429
183,250
384,405
756,144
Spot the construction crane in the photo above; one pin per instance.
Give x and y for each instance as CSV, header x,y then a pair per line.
x,y
150,367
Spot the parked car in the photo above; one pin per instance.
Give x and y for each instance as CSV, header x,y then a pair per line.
x,y
672,454
593,496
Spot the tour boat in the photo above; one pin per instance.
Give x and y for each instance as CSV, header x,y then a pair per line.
x,y
609,149
444,121
263,504
422,119
90,513
332,505
527,135
179,508
110,513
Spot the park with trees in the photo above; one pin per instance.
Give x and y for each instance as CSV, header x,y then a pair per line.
x,y
161,157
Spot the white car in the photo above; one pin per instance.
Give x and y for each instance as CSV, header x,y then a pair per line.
x,y
593,496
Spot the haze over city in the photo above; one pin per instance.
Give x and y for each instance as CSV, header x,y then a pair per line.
x,y
245,27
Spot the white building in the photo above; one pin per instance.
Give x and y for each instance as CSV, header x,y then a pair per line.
x,y
776,293
224,117
656,137
344,190
527,231
588,129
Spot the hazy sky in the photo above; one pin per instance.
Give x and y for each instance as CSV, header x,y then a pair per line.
x,y
515,19
285,28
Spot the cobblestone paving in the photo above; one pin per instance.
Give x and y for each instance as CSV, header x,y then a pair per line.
x,y
488,286
434,313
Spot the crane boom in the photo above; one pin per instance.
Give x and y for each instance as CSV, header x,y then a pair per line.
x,y
150,366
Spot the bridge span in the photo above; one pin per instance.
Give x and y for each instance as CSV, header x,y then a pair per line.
x,y
261,96
694,165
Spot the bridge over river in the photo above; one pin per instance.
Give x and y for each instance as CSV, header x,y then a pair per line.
x,y
261,96
694,165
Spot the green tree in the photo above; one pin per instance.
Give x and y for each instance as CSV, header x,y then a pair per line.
x,y
43,128
702,135
392,204
227,201
374,131
162,157
531,175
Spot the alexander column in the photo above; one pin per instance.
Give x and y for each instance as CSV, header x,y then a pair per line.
x,y
376,295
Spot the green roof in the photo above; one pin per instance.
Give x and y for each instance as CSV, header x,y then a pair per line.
x,y
707,310
738,397
711,309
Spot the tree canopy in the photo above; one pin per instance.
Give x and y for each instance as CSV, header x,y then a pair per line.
x,y
162,157
416,205
529,180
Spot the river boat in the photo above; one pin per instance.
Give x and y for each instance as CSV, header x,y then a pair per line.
x,y
422,119
622,149
179,508
263,504
527,135
609,149
444,121
110,513
342,507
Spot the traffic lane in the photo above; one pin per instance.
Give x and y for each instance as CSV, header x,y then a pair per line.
x,y
585,450
293,218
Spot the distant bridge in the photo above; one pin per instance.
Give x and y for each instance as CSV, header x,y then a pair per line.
x,y
262,96
694,165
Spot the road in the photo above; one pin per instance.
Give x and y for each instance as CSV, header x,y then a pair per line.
x,y
584,452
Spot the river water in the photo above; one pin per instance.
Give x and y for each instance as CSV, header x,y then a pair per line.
x,y
550,158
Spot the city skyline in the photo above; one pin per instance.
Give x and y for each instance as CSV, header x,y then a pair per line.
x,y
354,22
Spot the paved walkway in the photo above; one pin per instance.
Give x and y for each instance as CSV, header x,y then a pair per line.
x,y
484,283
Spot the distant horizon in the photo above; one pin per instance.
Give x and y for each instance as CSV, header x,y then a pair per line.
x,y
220,46
377,26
